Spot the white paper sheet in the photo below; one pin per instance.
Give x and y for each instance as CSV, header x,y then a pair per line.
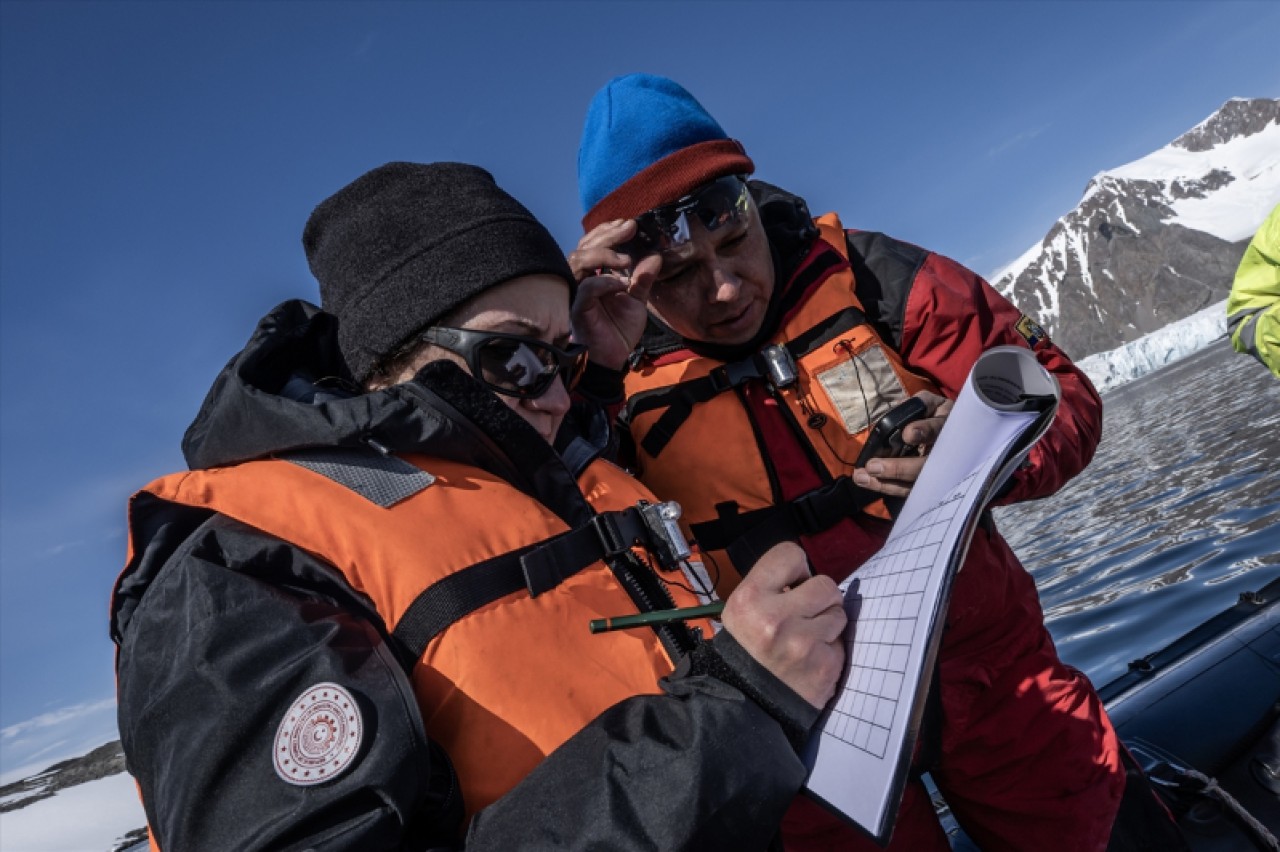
x,y
859,760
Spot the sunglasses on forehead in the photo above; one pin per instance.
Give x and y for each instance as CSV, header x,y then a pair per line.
x,y
512,364
721,202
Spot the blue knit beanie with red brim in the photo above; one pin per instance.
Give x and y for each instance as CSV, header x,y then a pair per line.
x,y
647,142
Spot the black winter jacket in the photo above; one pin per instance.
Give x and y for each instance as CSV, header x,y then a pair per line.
x,y
216,621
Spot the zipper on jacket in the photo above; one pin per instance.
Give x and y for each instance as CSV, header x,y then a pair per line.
x,y
647,593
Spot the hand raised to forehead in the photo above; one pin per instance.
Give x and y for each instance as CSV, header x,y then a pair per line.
x,y
608,313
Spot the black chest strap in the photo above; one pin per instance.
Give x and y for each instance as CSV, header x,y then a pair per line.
x,y
537,568
680,398
747,535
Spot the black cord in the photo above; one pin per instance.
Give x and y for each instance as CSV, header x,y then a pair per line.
x,y
845,346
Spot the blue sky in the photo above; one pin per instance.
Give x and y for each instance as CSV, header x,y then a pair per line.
x,y
158,161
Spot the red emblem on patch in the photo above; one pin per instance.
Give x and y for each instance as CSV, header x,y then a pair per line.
x,y
319,736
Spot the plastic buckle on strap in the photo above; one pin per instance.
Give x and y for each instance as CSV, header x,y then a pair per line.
x,y
543,569
610,533
739,372
823,507
729,376
719,378
603,537
806,515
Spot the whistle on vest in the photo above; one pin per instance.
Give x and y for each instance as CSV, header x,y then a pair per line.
x,y
669,544
779,366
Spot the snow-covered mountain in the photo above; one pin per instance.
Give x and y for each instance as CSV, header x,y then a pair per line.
x,y
1157,240
86,804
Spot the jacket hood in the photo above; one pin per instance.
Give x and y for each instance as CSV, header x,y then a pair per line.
x,y
289,389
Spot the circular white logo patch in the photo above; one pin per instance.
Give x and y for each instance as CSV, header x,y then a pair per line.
x,y
319,736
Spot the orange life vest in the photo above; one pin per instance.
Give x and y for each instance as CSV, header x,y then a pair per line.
x,y
695,439
504,684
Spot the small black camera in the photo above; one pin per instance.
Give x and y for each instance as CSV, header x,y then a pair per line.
x,y
885,438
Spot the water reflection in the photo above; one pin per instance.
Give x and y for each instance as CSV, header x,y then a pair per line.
x,y
1177,515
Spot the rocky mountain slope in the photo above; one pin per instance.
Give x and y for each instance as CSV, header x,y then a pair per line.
x,y
72,801
1157,240
102,761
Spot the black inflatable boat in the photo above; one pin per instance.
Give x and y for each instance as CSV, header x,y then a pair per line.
x,y
1202,716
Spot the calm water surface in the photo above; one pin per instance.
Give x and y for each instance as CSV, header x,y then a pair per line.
x,y
1178,514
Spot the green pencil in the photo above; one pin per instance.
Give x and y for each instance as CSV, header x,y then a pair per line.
x,y
661,616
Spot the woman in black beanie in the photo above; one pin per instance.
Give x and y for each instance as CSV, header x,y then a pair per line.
x,y
360,620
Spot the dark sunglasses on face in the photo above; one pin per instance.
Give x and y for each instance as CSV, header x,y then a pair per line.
x,y
512,364
721,202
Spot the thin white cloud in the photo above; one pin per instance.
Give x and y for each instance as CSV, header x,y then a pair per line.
x,y
59,549
114,534
54,718
1024,136
35,744
77,516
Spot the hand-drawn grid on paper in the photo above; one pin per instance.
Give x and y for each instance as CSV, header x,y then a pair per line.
x,y
889,592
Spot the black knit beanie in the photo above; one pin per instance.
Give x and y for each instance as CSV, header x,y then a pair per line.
x,y
406,243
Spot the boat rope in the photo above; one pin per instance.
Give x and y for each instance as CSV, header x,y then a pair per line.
x,y
1197,782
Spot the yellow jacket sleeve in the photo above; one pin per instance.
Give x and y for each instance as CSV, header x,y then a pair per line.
x,y
1253,308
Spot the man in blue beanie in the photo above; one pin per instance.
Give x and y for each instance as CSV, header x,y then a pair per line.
x,y
691,279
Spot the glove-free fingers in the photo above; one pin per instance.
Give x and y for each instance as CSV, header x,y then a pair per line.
x,y
932,401
815,595
596,250
831,623
781,566
596,287
608,234
923,432
893,477
584,263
